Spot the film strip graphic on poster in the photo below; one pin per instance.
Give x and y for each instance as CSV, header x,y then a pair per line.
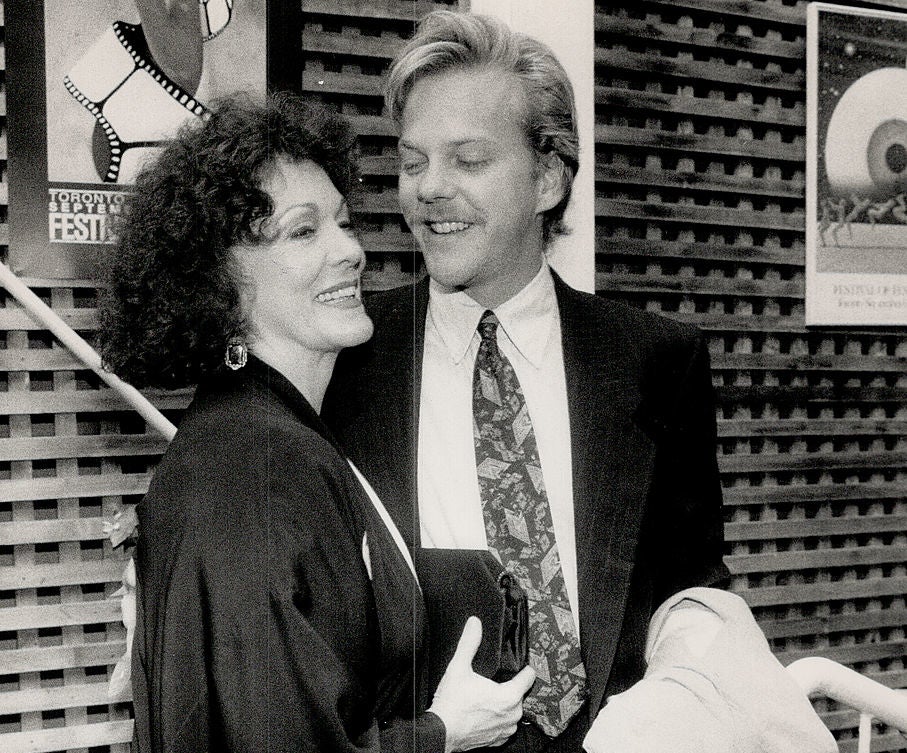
x,y
97,88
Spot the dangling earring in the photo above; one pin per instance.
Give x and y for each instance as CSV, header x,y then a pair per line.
x,y
236,354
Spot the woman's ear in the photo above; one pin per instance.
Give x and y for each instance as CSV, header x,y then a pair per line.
x,y
551,182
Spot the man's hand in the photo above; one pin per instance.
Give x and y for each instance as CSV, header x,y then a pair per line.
x,y
477,711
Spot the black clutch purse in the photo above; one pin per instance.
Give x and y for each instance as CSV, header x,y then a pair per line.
x,y
458,583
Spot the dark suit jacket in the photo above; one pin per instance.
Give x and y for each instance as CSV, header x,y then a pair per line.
x,y
259,627
646,491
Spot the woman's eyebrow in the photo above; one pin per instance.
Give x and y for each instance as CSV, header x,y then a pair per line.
x,y
307,206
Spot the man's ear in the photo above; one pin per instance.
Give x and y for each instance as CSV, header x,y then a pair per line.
x,y
551,182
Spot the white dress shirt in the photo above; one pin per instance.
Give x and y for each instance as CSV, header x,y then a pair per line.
x,y
529,335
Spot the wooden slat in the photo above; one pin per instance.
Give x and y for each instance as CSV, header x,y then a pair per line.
x,y
384,165
817,559
60,738
53,283
635,64
712,285
885,742
692,182
822,625
54,576
113,484
359,45
719,146
748,323
85,401
15,318
22,532
810,426
767,461
40,359
807,363
373,125
57,615
802,494
783,395
696,37
777,530
88,446
393,10
46,699
350,84
48,658
714,252
843,590
851,654
708,108
774,12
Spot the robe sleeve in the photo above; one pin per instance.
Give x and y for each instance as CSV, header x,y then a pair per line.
x,y
259,627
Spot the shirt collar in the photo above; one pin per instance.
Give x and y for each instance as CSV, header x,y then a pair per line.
x,y
528,319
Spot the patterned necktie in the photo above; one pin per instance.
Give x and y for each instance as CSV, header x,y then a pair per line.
x,y
520,532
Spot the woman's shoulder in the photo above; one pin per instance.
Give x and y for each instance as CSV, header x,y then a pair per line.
x,y
240,414
235,447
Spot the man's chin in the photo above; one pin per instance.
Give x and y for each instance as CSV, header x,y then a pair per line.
x,y
448,281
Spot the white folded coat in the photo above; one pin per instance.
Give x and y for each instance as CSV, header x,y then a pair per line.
x,y
712,686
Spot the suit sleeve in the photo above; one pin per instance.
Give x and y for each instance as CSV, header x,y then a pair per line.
x,y
690,539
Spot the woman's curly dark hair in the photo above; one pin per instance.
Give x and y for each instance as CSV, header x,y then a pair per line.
x,y
173,300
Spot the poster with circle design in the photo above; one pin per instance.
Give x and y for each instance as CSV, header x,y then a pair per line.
x,y
856,218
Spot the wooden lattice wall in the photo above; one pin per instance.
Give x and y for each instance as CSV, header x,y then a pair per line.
x,y
700,175
700,130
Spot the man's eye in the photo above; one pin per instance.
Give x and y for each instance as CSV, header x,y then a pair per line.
x,y
470,163
412,167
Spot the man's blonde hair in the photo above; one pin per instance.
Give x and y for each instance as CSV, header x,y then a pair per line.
x,y
446,40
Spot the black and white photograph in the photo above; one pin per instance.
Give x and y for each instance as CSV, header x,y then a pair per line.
x,y
421,376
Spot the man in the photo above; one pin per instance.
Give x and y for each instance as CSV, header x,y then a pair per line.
x,y
497,407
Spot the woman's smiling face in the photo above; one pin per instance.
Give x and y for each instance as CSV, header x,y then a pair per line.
x,y
300,285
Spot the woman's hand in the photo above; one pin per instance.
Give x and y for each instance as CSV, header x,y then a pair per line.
x,y
477,711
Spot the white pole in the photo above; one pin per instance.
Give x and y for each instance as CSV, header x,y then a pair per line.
x,y
43,314
828,678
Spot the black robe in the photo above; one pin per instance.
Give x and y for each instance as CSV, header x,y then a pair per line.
x,y
260,627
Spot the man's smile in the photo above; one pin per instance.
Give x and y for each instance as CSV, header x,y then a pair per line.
x,y
446,227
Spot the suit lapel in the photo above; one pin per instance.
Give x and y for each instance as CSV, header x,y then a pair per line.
x,y
393,411
612,466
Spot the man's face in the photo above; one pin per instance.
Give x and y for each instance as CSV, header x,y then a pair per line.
x,y
471,189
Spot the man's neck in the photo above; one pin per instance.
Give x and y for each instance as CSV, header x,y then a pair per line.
x,y
493,295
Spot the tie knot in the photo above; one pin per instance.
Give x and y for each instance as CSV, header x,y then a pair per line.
x,y
488,327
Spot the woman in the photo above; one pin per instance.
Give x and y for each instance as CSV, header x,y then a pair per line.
x,y
277,605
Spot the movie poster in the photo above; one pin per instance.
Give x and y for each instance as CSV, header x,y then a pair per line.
x,y
96,88
856,227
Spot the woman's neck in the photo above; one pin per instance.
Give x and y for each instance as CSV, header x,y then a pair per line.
x,y
309,371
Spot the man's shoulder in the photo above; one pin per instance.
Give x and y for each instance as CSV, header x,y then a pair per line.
x,y
634,327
